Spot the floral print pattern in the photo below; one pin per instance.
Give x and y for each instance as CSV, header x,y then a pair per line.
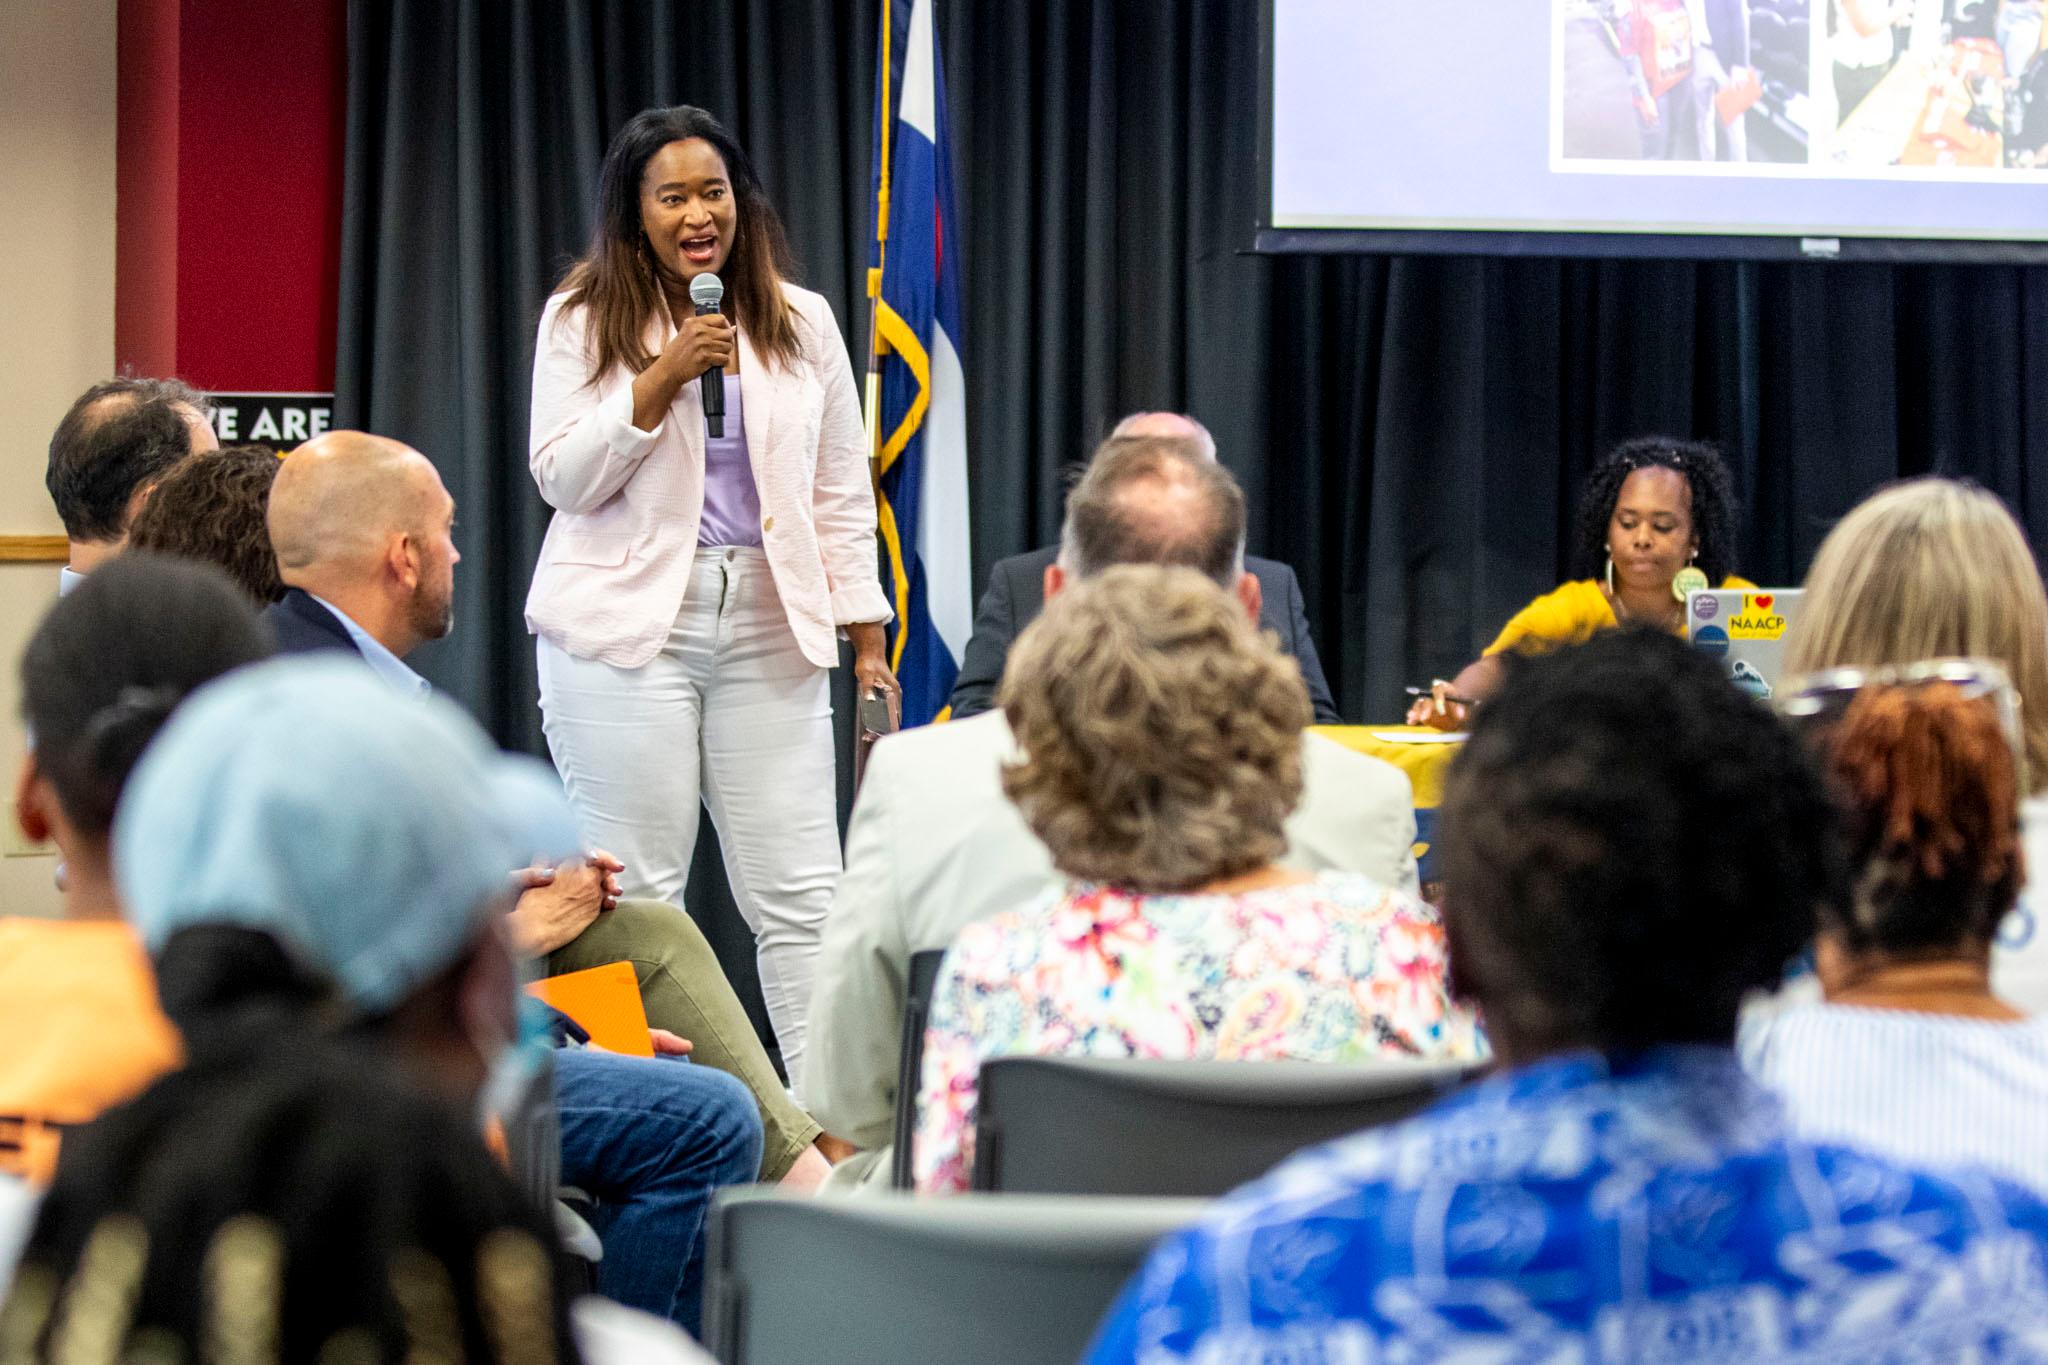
x,y
1337,969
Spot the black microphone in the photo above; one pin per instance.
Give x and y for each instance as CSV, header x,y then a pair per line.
x,y
705,292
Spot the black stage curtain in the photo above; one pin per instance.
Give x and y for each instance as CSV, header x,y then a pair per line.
x,y
1409,430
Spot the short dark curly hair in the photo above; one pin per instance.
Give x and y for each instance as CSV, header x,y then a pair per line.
x,y
1713,501
212,508
1630,845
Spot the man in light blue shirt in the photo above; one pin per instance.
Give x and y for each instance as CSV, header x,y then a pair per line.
x,y
362,529
388,666
364,534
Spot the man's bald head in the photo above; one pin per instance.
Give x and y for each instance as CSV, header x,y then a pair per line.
x,y
1176,424
363,523
342,496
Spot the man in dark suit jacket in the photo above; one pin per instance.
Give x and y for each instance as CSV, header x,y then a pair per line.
x,y
1016,594
363,530
302,625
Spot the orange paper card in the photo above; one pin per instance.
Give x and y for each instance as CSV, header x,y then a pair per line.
x,y
605,1001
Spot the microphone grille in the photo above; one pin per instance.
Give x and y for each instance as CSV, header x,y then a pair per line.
x,y
706,290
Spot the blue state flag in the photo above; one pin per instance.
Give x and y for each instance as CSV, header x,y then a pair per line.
x,y
921,425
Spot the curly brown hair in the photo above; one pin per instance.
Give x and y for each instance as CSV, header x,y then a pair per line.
x,y
1160,730
1929,791
212,508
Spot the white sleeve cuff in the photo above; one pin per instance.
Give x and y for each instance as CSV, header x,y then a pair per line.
x,y
859,603
615,421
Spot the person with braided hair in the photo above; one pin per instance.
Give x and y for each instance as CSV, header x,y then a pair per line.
x,y
268,1204
303,813
352,896
1656,519
1914,1053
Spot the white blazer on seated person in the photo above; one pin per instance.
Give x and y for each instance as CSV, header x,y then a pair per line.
x,y
627,502
935,845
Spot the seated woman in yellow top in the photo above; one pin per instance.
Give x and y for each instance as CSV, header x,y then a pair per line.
x,y
1656,520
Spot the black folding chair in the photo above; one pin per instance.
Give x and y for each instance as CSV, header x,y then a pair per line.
x,y
1063,1125
917,1009
997,1281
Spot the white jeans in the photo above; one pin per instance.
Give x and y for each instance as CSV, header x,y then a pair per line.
x,y
732,712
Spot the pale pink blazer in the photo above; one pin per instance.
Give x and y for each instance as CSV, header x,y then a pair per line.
x,y
617,555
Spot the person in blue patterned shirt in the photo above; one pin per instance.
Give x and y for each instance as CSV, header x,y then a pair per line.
x,y
1631,845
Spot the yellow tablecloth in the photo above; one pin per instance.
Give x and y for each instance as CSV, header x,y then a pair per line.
x,y
1425,764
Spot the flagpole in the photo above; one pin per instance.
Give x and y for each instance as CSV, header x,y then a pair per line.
x,y
877,347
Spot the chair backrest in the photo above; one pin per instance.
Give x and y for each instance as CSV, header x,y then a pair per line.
x,y
997,1281
917,1009
1063,1125
528,1124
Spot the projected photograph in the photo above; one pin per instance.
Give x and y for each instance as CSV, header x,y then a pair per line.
x,y
1701,81
1937,83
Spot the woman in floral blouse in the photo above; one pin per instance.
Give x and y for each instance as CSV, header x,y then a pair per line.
x,y
1161,737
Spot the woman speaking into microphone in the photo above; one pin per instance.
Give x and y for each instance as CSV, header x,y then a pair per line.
x,y
692,585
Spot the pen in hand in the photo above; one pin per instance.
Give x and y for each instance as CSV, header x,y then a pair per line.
x,y
1450,698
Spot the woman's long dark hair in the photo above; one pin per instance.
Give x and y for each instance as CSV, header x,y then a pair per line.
x,y
616,281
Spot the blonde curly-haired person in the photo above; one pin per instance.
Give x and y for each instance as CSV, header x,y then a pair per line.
x,y
1160,735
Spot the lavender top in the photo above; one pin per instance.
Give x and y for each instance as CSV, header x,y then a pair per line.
x,y
732,505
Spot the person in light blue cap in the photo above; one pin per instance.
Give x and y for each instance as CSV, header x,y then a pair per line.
x,y
301,843
371,838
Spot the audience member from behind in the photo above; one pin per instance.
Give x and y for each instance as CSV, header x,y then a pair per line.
x,y
300,820
1161,742
78,1006
1913,1054
1632,845
1016,594
1937,569
301,1203
213,508
112,447
935,844
361,528
1656,518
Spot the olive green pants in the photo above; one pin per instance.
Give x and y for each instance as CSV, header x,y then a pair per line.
x,y
685,991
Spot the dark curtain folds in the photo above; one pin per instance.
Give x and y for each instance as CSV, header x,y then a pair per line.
x,y
1410,431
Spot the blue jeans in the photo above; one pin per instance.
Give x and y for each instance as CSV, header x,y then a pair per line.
x,y
650,1140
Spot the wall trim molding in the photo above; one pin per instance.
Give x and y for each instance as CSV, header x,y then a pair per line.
x,y
34,550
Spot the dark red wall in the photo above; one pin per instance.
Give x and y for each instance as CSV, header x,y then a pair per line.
x,y
230,150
